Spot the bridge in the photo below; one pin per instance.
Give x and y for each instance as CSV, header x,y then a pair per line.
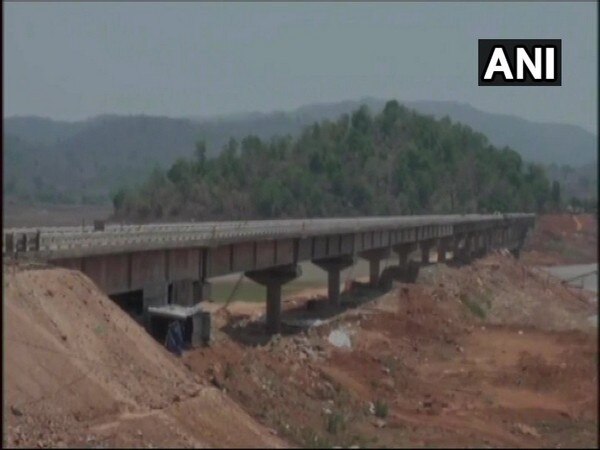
x,y
173,263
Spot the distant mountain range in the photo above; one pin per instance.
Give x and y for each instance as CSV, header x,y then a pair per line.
x,y
64,162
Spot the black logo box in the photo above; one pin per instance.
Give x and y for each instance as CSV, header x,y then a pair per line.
x,y
486,47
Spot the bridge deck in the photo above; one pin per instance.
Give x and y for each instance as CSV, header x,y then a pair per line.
x,y
78,241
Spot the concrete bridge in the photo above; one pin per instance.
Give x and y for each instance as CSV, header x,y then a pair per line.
x,y
173,263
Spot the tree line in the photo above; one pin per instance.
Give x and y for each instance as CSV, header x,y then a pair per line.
x,y
393,162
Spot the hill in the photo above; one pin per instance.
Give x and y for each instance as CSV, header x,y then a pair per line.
x,y
538,142
85,161
396,162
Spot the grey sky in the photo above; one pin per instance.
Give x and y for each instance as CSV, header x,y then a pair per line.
x,y
76,60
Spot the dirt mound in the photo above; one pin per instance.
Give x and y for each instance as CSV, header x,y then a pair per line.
x,y
445,362
80,372
563,239
506,291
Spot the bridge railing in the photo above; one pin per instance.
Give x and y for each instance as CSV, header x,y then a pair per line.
x,y
206,233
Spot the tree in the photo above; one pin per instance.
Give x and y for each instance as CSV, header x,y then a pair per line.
x,y
555,194
397,161
118,199
201,152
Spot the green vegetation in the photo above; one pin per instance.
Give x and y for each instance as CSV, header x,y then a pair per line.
x,y
477,304
84,162
381,409
336,422
396,162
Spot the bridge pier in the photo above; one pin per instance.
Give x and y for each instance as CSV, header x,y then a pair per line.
x,y
463,253
374,257
502,238
334,266
483,246
518,246
442,248
426,249
476,247
273,279
403,251
471,247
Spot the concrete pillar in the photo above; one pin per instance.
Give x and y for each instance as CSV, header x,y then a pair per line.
x,y
425,250
483,243
202,290
374,268
200,328
478,243
273,279
154,294
479,246
183,292
469,245
403,251
442,248
273,308
10,243
374,256
405,274
504,237
190,292
464,253
334,266
519,236
456,240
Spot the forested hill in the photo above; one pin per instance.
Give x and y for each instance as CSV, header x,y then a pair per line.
x,y
84,161
396,162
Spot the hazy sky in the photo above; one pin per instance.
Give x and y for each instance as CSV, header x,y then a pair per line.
x,y
75,60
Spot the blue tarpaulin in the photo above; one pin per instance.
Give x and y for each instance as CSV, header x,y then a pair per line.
x,y
174,339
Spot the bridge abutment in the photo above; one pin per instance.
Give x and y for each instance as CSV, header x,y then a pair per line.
x,y
153,294
189,292
273,279
334,266
183,292
202,291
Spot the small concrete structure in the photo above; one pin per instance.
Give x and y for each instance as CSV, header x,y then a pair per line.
x,y
193,319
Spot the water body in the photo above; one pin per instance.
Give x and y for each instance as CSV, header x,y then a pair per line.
x,y
587,272
312,277
588,280
315,277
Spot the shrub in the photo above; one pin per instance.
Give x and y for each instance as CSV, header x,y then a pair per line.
x,y
381,409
